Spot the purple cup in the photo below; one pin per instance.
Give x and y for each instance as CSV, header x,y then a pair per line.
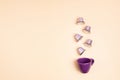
x,y
85,64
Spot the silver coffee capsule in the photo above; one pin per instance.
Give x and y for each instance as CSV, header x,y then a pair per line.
x,y
87,29
80,50
78,37
80,20
88,42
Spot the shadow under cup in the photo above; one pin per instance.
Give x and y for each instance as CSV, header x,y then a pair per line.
x,y
85,64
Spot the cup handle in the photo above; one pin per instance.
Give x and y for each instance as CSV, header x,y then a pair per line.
x,y
92,61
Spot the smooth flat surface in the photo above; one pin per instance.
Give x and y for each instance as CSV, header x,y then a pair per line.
x,y
36,39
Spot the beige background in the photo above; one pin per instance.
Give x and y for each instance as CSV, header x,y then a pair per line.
x,y
36,39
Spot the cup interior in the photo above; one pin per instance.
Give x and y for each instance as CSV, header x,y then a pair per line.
x,y
84,60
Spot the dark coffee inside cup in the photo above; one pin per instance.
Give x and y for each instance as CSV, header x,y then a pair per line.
x,y
84,60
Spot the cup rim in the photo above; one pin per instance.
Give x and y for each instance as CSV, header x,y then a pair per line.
x,y
82,62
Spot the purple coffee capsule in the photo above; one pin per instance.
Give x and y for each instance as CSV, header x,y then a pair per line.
x,y
87,29
78,37
80,20
80,50
88,42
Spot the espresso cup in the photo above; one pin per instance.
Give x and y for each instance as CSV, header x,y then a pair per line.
x,y
85,64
